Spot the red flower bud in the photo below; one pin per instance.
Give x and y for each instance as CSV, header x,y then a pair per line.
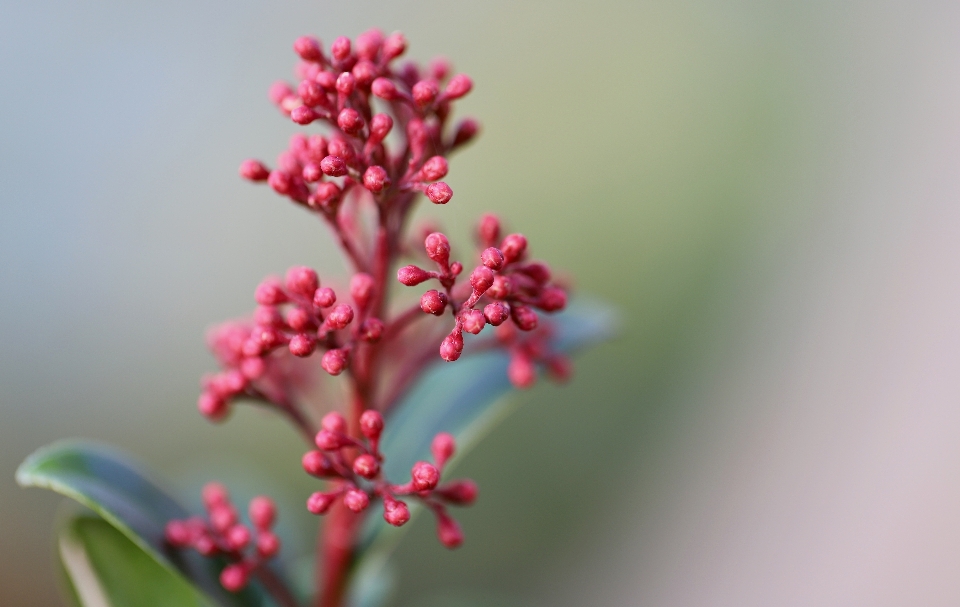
x,y
319,503
458,86
268,544
521,372
366,466
371,424
481,279
461,493
449,532
270,293
371,330
433,302
451,347
384,88
434,168
356,500
350,121
437,247
311,93
302,345
375,179
324,297
513,247
334,422
439,193
412,275
424,476
467,130
237,537
473,321
254,170
380,126
443,448
308,48
395,512
302,281
394,46
334,361
492,258
333,166
552,299
303,115
524,317
340,317
496,313
340,49
234,577
425,92
317,464
346,83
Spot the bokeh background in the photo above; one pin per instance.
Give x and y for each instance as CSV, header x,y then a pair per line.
x,y
768,191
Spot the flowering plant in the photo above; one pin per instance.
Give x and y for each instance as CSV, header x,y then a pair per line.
x,y
381,437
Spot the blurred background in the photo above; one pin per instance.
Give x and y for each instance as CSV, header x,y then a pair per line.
x,y
768,191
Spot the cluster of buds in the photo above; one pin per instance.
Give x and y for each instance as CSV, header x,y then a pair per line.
x,y
222,534
339,89
503,286
296,315
355,466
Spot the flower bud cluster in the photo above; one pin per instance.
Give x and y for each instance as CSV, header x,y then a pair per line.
x,y
222,534
296,315
355,468
504,286
339,89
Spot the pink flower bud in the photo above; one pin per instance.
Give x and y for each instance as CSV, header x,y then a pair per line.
x,y
279,91
302,345
340,49
339,317
328,440
384,88
395,512
324,297
303,115
439,193
462,493
308,48
346,84
455,268
311,93
449,532
394,46
371,330
560,368
488,230
262,512
362,289
214,495
524,317
319,502
334,422
481,279
424,476
458,86
317,464
356,500
467,130
501,287
212,406
280,182
443,447
521,372
433,302
253,368
368,43
425,92
371,424
366,466
380,126
365,72
495,313
326,194
302,281
300,320
350,121
513,247
334,361
412,275
205,545
375,179
492,258
473,321
333,166
234,577
223,517
434,168
539,272
312,173
552,299
437,247
237,537
177,533
268,544
254,170
451,347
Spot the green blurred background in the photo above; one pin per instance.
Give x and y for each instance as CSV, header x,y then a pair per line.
x,y
768,192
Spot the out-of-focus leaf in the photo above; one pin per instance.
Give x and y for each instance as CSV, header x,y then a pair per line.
x,y
106,481
106,569
466,398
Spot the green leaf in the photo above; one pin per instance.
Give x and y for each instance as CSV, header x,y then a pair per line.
x,y
106,481
466,399
106,569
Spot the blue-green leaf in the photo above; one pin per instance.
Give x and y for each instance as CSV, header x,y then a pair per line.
x,y
106,481
106,569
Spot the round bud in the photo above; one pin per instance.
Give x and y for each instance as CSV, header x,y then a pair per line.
x,y
237,537
496,313
214,495
268,544
254,170
328,80
521,371
434,168
488,230
311,93
437,247
340,49
473,321
424,476
433,302
270,293
443,447
333,166
462,493
319,502
513,247
212,406
560,368
371,424
177,533
481,279
380,126
368,43
350,121
334,361
375,179
394,46
356,500
262,512
326,195
280,182
467,130
339,317
371,330
302,345
317,464
366,466
501,287
308,48
234,577
539,272
328,440
303,115
340,147
384,88
362,288
449,532
524,317
451,347
346,83
458,86
439,193
223,517
365,72
312,173
439,68
552,299
324,297
253,368
455,268
395,512
279,91
425,92
412,275
334,422
300,319
302,281
492,258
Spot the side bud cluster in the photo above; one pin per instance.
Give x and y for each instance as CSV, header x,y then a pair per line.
x,y
222,534
355,468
